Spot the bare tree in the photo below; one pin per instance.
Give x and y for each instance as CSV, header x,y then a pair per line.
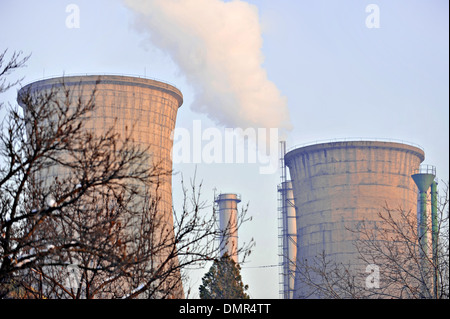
x,y
324,278
7,66
404,268
409,267
79,211
199,235
123,255
37,211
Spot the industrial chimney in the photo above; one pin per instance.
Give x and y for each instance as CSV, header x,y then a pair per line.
x,y
226,205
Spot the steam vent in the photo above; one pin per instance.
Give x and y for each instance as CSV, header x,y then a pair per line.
x,y
337,185
145,107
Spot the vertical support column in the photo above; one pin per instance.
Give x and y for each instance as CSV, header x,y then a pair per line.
x,y
288,231
434,237
289,238
423,217
424,178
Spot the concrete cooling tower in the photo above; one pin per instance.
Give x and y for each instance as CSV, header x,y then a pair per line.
x,y
337,185
145,107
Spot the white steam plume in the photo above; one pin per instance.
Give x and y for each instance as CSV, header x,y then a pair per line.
x,y
217,46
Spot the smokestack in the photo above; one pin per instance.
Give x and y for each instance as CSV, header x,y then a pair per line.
x,y
227,210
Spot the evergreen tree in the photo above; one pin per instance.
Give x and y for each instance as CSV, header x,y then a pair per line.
x,y
223,281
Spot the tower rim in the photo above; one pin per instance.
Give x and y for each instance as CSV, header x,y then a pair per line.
x,y
77,79
367,143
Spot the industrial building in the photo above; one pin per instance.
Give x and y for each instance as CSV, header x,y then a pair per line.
x,y
147,108
337,185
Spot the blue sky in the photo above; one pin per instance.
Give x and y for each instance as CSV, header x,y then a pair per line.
x,y
340,80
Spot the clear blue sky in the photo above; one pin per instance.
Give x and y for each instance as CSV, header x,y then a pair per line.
x,y
340,79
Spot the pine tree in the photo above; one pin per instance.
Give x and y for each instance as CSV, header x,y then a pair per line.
x,y
223,281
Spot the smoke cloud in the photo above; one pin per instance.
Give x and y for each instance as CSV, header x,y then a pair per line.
x,y
217,46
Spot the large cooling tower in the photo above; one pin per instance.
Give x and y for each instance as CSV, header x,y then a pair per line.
x,y
339,184
145,107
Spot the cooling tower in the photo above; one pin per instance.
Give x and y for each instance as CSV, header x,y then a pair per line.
x,y
228,214
145,107
339,184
